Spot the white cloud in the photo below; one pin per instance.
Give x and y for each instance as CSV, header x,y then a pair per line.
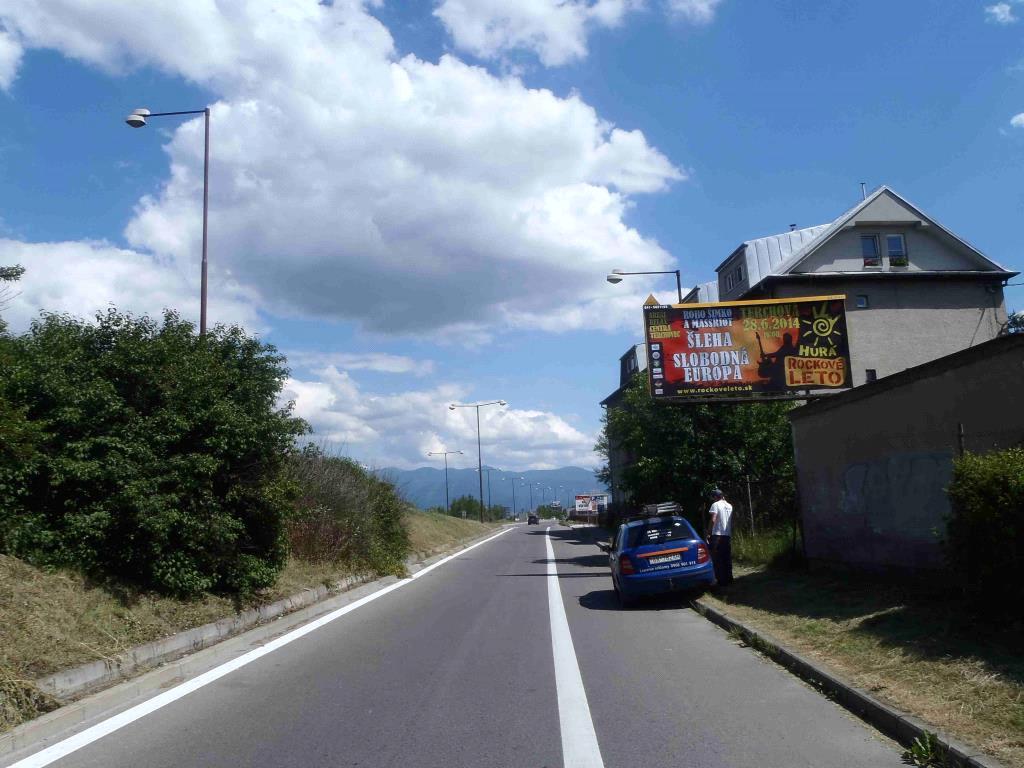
x,y
82,278
10,58
399,429
349,183
555,30
1017,121
1000,13
694,11
370,361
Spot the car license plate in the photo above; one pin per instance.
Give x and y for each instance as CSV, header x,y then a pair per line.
x,y
666,559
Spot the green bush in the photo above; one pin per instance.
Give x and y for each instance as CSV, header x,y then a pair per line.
x,y
148,455
985,533
346,515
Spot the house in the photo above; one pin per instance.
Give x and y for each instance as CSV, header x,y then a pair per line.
x,y
632,362
914,290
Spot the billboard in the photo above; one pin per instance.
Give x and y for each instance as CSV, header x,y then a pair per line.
x,y
746,350
591,502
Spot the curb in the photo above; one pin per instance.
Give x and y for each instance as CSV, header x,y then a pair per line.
x,y
185,655
892,722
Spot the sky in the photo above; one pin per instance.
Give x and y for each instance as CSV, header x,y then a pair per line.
x,y
418,202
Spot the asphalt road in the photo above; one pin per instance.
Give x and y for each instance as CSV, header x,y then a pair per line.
x,y
457,668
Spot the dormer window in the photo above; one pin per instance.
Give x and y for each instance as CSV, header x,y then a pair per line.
x,y
733,278
869,251
896,250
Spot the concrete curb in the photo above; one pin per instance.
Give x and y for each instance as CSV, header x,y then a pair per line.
x,y
892,722
183,656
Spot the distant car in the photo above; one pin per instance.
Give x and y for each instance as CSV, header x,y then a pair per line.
x,y
533,520
657,555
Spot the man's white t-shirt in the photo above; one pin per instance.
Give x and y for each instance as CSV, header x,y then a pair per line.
x,y
723,523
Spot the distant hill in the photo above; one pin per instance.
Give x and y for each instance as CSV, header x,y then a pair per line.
x,y
424,486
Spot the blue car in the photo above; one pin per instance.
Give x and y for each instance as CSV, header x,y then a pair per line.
x,y
657,555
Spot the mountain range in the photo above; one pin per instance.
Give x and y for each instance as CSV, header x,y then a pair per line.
x,y
424,486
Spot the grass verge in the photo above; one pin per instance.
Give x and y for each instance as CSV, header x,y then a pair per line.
x,y
911,645
52,620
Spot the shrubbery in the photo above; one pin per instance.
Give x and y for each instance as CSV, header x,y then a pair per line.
x,y
137,451
985,533
345,514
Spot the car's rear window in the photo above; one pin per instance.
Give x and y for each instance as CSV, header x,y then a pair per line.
x,y
656,532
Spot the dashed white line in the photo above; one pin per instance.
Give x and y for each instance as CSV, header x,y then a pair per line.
x,y
579,741
118,721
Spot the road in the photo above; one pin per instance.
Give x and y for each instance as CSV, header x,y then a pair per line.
x,y
457,668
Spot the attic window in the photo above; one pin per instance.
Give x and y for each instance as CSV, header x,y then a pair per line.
x,y
869,251
733,278
896,250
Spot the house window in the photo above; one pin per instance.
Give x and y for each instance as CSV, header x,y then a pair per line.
x,y
896,250
869,251
733,278
862,301
870,375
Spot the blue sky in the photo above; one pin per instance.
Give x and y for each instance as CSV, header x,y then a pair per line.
x,y
418,202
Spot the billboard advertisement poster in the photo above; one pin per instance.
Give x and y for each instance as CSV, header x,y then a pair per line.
x,y
747,349
591,502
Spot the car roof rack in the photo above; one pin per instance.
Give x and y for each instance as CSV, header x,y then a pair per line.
x,y
662,509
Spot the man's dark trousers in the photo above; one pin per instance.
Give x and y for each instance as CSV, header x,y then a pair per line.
x,y
721,556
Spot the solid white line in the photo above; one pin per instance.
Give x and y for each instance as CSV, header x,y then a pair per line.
x,y
579,741
108,726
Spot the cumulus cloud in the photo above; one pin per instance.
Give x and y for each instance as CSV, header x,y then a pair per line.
x,y
694,11
10,58
555,30
82,278
349,182
399,429
369,361
1017,121
1000,13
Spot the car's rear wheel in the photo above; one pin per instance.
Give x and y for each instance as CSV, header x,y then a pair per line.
x,y
625,601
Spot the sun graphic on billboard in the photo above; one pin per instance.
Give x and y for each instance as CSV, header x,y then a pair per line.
x,y
820,328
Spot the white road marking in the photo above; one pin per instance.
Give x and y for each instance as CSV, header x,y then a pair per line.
x,y
579,741
108,726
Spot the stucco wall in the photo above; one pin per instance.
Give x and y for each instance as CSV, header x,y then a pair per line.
x,y
873,463
909,321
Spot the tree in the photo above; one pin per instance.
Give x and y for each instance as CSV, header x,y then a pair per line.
x,y
1015,323
681,452
158,456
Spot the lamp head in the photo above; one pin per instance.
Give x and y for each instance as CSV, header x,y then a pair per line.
x,y
614,277
502,402
451,407
137,119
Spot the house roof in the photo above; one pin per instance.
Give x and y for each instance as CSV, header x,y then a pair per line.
x,y
777,255
702,293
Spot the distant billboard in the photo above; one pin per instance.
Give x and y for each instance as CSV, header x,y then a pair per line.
x,y
747,350
591,502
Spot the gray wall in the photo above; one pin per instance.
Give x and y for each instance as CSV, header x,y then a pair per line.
x,y
909,320
873,463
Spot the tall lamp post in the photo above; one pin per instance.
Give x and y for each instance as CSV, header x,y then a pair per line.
x,y
616,277
488,470
137,119
445,454
479,450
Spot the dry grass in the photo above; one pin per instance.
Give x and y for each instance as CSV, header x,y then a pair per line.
x,y
54,620
910,645
430,533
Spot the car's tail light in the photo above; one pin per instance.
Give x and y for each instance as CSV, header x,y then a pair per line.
x,y
702,553
626,566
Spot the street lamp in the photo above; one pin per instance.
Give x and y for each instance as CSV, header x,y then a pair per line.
x,y
515,512
445,454
137,119
479,451
488,470
615,276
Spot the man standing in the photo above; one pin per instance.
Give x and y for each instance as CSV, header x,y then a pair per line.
x,y
720,537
